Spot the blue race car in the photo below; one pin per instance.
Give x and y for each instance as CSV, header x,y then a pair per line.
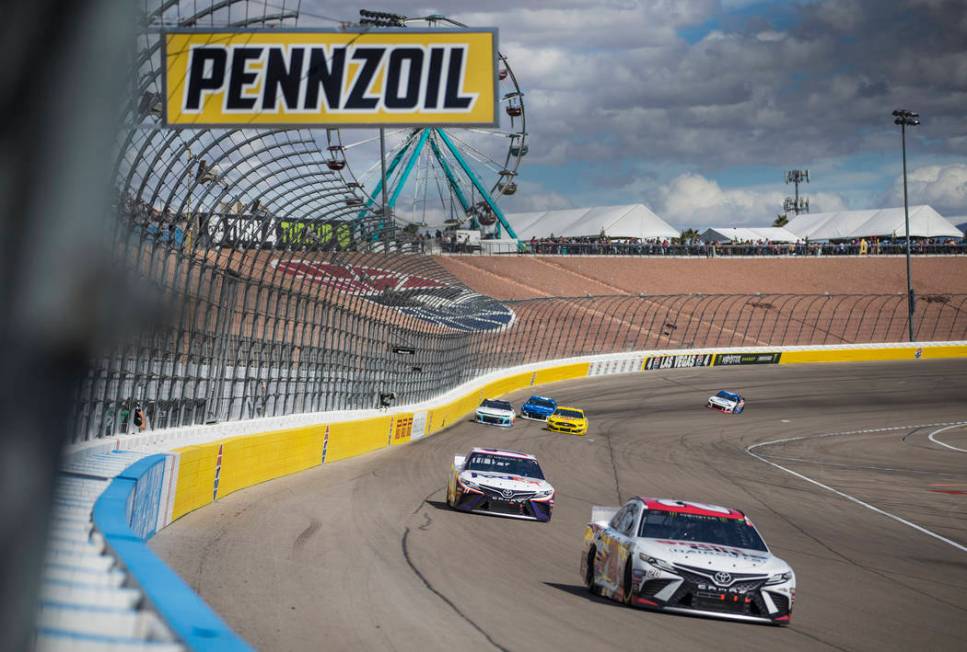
x,y
538,408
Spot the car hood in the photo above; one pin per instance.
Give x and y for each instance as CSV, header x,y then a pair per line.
x,y
722,401
495,412
711,556
558,417
534,407
503,481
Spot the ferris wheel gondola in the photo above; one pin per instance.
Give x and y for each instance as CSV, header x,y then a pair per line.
x,y
435,176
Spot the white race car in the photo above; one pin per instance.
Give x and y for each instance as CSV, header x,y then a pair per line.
x,y
686,557
507,483
728,402
495,413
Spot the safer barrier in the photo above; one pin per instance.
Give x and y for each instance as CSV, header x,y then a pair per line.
x,y
126,515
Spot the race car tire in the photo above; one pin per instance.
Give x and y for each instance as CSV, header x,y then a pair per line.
x,y
626,584
589,574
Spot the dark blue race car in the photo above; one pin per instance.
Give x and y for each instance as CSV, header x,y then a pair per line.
x,y
538,408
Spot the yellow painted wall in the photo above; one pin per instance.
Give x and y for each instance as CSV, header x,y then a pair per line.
x,y
871,355
564,372
351,438
196,478
249,460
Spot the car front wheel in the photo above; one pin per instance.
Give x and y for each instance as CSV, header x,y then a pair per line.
x,y
626,586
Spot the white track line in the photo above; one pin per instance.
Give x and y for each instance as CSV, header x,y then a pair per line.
x,y
899,519
937,441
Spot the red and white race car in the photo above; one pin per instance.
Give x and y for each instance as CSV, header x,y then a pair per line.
x,y
686,557
502,482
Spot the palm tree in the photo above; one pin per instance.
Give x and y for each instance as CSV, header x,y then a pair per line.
x,y
689,233
781,220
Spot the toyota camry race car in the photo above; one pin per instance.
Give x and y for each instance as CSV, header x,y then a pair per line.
x,y
495,413
686,557
502,482
728,402
538,408
568,420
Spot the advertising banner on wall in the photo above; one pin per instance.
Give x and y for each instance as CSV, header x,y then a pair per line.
x,y
732,359
678,361
261,78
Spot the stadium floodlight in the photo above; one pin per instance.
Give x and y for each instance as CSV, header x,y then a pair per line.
x,y
904,119
796,204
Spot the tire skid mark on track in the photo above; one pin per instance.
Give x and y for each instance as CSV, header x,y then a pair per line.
x,y
306,534
853,499
426,500
614,466
404,542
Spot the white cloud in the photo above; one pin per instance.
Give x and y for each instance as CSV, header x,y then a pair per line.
x,y
691,200
532,196
942,186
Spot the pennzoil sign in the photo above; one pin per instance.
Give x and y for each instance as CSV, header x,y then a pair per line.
x,y
285,78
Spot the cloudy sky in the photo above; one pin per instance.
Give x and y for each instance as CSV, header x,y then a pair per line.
x,y
696,107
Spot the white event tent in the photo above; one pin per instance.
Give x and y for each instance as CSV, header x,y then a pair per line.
x,y
753,234
616,222
925,222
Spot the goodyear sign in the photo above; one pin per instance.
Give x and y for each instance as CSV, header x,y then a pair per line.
x,y
339,79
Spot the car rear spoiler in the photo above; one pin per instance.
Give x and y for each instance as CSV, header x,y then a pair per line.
x,y
601,516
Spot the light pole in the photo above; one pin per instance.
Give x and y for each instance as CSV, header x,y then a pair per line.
x,y
906,118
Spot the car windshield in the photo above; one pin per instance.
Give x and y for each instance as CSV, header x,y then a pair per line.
x,y
728,396
570,414
677,526
504,464
497,405
543,402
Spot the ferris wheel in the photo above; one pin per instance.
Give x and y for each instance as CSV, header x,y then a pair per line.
x,y
435,177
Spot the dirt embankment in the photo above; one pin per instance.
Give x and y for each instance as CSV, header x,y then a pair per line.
x,y
523,277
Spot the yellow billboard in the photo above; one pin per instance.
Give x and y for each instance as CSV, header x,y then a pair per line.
x,y
338,79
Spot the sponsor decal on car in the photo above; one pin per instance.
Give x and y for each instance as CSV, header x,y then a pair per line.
x,y
679,361
429,300
732,359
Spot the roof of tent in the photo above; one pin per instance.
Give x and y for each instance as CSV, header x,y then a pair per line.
x,y
628,221
925,222
731,234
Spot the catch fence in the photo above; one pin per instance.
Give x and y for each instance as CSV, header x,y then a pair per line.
x,y
270,333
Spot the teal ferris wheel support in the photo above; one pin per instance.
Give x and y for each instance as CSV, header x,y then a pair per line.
x,y
476,183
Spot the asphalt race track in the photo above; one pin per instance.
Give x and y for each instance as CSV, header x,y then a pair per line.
x,y
365,555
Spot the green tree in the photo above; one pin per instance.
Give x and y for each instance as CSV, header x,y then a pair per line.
x,y
689,233
781,220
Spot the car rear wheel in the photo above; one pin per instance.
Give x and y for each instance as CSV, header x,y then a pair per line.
x,y
589,579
